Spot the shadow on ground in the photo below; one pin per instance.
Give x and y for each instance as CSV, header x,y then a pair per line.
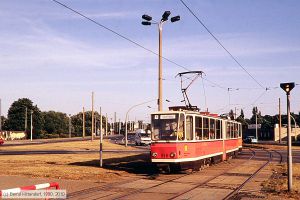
x,y
137,164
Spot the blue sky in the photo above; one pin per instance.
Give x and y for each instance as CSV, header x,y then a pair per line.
x,y
56,58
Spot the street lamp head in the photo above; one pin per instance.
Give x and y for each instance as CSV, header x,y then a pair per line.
x,y
166,15
146,23
287,87
175,19
147,17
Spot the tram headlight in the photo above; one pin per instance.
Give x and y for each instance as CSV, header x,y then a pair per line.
x,y
154,154
172,154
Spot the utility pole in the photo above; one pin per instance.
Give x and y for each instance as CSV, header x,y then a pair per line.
x,y
106,124
115,123
0,116
83,123
25,119
70,126
256,123
31,127
92,116
234,112
287,87
95,124
101,139
119,126
279,121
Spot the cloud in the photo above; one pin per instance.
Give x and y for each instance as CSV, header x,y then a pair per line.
x,y
43,46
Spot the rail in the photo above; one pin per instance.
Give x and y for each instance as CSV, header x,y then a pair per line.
x,y
236,191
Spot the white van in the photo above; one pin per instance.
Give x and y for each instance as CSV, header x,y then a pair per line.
x,y
142,138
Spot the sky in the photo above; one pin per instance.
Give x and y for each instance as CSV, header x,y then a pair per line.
x,y
56,57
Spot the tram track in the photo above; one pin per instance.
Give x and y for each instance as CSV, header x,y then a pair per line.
x,y
234,194
115,190
179,177
210,179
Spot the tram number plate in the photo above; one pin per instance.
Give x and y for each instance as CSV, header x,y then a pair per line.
x,y
168,117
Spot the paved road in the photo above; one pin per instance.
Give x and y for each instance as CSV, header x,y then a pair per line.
x,y
30,152
56,140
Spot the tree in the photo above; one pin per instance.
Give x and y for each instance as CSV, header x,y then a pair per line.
x,y
242,114
55,122
231,114
16,117
77,122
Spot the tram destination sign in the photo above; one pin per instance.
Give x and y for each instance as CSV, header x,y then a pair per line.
x,y
167,116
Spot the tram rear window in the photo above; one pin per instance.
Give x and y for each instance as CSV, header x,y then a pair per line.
x,y
164,126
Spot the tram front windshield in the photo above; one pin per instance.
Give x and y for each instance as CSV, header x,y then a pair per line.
x,y
164,126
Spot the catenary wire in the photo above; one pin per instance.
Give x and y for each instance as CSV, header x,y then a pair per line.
x,y
118,34
149,50
218,41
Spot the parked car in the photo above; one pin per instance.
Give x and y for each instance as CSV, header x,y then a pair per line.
x,y
1,141
250,139
142,138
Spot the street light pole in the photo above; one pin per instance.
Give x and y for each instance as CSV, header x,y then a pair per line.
x,y
25,119
295,125
279,107
149,21
287,87
126,117
69,125
0,116
256,124
31,125
83,122
160,66
92,138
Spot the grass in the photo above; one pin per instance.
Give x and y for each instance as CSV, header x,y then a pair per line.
x,y
69,166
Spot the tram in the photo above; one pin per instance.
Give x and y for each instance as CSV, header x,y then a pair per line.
x,y
184,137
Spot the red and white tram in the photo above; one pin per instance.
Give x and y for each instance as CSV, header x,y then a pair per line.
x,y
181,137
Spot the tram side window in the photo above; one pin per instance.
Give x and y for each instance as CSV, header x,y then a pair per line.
x,y
181,127
205,129
240,130
228,124
212,129
189,127
235,130
198,128
218,129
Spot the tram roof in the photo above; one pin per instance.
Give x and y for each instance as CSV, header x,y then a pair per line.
x,y
183,109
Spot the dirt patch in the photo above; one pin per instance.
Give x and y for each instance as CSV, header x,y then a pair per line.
x,y
277,184
75,166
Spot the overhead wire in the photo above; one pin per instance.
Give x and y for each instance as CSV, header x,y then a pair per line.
x,y
149,50
218,41
118,34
